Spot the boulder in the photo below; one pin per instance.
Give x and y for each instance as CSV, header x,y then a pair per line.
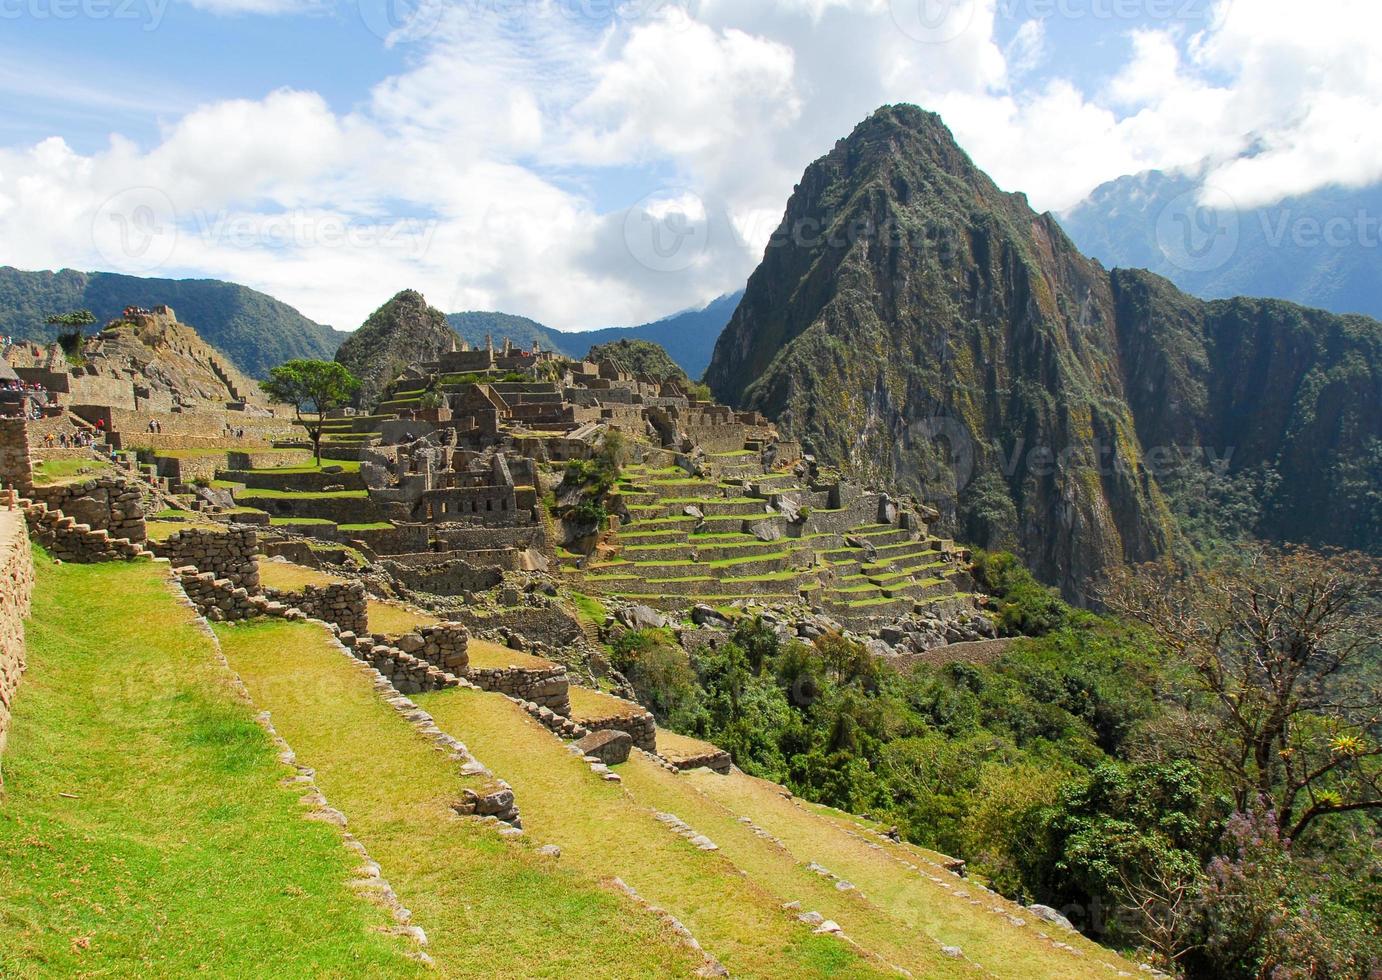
x,y
703,615
609,746
642,618
1048,914
691,510
766,531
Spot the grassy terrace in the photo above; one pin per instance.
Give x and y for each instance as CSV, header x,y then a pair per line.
x,y
146,829
48,472
489,907
736,918
960,915
288,577
392,619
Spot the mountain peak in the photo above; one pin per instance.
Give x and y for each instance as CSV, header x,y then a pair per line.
x,y
402,331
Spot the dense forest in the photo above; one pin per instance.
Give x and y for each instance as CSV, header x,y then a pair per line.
x,y
1195,779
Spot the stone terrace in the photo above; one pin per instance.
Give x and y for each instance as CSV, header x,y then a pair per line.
x,y
698,539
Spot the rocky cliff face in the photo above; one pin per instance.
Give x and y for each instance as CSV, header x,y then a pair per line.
x,y
919,326
403,331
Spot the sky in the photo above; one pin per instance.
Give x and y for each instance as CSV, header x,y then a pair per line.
x,y
591,163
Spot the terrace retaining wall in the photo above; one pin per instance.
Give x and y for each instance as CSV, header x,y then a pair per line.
x,y
16,588
106,503
230,554
343,604
546,687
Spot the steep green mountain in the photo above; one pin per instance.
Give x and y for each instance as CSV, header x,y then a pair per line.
x,y
473,326
688,337
1320,249
254,330
921,327
640,357
403,331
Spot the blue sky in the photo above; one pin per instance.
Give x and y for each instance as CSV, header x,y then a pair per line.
x,y
517,154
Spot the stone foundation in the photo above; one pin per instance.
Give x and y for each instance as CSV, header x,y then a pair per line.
x,y
16,466
16,587
546,687
107,504
344,605
230,554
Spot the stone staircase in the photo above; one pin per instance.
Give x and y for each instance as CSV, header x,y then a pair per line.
x,y
68,540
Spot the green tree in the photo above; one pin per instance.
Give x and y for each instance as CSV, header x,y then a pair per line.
x,y
70,336
1278,646
313,388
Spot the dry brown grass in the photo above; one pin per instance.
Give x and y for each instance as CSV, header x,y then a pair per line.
x,y
391,619
288,577
588,705
488,656
675,748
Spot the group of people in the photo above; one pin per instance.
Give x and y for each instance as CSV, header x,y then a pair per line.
x,y
79,439
230,430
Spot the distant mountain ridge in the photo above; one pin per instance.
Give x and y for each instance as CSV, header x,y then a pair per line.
x,y
1322,249
688,337
253,330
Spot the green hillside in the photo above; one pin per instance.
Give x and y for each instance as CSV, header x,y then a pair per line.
x,y
254,330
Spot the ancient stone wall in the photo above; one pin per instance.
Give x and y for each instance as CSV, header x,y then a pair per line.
x,y
66,539
549,626
642,728
107,503
448,578
409,674
548,687
343,604
230,554
16,586
16,466
445,645
456,537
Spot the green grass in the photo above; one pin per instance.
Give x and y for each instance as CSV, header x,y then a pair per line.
x,y
375,526
838,842
298,521
50,471
736,919
146,829
490,908
590,609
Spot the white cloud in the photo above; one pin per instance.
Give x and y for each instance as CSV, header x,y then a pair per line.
x,y
487,171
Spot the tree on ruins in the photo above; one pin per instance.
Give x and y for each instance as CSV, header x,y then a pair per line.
x,y
70,333
1281,647
313,388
